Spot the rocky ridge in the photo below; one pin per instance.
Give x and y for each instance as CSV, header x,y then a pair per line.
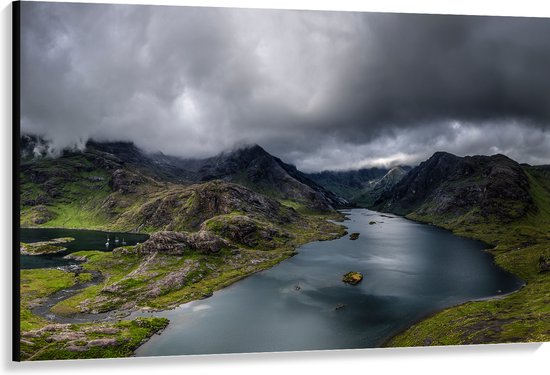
x,y
447,185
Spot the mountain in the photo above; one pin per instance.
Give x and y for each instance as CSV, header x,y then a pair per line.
x,y
447,186
363,186
257,169
115,187
377,187
250,166
502,203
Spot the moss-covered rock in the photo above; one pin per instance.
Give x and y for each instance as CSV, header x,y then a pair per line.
x,y
246,231
354,236
352,278
89,340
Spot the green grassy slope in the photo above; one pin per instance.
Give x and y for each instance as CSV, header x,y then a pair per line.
x,y
91,191
42,340
65,192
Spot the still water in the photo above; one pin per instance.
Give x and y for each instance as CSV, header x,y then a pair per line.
x,y
410,270
84,240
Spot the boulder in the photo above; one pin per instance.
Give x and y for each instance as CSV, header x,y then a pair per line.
x,y
352,278
354,236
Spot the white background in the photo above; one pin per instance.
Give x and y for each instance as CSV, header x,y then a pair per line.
x,y
487,359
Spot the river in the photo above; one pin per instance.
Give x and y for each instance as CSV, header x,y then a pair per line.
x,y
410,270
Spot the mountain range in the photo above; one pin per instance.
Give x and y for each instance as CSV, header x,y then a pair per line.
x,y
443,187
447,186
252,210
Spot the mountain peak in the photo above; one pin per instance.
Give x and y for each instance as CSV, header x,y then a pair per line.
x,y
442,154
250,150
450,186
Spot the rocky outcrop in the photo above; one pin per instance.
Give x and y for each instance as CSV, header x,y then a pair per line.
x,y
258,170
186,208
352,278
243,230
176,243
207,242
544,264
125,181
88,340
42,215
448,185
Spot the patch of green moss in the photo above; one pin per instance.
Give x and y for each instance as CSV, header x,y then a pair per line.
x,y
36,284
89,340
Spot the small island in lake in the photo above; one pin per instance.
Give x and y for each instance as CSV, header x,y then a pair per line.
x,y
352,278
44,247
354,236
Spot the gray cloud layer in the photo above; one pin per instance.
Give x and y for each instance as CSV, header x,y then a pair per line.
x,y
319,89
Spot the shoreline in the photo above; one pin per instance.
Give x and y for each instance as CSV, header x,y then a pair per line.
x,y
121,315
488,249
136,312
85,229
384,343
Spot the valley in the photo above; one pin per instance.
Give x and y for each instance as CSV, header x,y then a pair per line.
x,y
204,235
212,222
506,205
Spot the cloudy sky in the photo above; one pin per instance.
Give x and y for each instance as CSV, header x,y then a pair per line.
x,y
322,90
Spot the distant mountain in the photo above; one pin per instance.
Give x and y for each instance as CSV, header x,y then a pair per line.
x,y
363,186
370,194
446,186
252,167
256,169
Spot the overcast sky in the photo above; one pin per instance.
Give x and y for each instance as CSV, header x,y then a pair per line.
x,y
322,90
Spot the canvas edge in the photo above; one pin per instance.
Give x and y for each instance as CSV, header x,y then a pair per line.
x,y
16,74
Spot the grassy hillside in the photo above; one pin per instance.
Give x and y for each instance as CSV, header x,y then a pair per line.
x,y
42,340
221,231
521,247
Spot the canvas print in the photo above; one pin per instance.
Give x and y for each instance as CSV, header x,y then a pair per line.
x,y
199,180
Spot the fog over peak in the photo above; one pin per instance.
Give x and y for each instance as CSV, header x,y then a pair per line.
x,y
321,90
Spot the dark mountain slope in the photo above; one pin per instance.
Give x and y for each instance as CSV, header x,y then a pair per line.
x,y
158,166
446,186
363,186
377,187
257,169
115,186
86,190
252,167
348,184
504,204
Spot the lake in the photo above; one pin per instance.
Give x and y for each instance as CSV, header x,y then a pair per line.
x,y
410,270
84,240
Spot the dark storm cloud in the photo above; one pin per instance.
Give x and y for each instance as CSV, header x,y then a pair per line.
x,y
319,89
